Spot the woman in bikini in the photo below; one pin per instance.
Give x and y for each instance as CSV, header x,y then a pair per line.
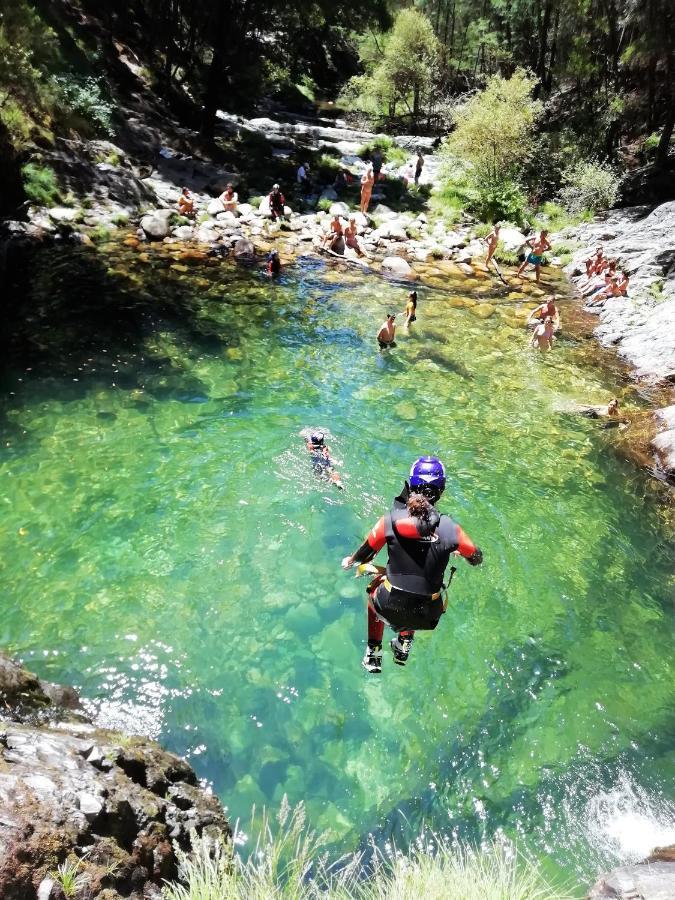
x,y
367,182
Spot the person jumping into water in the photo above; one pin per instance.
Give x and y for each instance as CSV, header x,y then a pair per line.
x,y
322,463
420,542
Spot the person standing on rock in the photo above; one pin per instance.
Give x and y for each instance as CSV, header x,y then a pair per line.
x,y
387,333
543,335
277,201
491,242
538,246
408,595
303,178
376,163
367,182
419,165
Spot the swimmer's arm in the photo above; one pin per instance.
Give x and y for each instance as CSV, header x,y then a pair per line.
x,y
466,548
369,548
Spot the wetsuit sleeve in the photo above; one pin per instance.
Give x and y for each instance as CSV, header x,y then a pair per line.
x,y
372,545
471,553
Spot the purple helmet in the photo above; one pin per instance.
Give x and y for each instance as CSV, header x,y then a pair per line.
x,y
428,472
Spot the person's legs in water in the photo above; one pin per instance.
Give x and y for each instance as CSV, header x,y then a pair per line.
x,y
401,645
372,661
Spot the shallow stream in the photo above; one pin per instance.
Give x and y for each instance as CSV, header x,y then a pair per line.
x,y
166,548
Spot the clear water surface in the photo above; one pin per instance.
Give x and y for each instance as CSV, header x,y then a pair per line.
x,y
165,547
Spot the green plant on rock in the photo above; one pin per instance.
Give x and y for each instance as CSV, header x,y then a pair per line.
x,y
69,877
100,234
324,204
122,218
40,184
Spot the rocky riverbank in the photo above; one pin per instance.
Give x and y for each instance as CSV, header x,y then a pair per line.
x,y
641,326
111,808
652,879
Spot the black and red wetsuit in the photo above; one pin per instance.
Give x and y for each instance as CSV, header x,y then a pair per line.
x,y
409,598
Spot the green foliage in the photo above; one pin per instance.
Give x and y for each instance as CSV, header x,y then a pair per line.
x,y
289,863
85,97
40,184
100,234
554,217
324,204
590,185
255,201
402,73
494,130
69,877
122,219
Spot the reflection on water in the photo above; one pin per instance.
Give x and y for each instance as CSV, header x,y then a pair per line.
x,y
166,547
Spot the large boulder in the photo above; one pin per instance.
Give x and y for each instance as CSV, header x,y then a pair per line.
x,y
512,239
339,209
383,212
393,230
244,251
184,232
653,881
214,207
397,266
328,194
62,214
156,224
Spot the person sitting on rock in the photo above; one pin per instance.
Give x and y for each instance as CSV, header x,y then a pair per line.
x,y
599,282
229,199
277,202
351,239
186,204
334,238
617,287
593,261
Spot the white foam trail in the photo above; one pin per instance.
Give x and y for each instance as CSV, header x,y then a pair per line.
x,y
627,822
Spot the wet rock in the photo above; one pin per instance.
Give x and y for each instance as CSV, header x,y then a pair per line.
x,y
483,310
244,251
184,232
651,881
396,265
19,687
155,225
664,441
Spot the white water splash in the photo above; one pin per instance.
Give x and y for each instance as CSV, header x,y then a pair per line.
x,y
627,822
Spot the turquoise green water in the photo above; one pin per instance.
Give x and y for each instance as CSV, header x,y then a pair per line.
x,y
165,547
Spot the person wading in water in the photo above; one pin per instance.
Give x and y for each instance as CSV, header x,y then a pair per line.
x,y
420,542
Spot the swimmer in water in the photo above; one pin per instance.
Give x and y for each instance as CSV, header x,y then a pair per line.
x,y
322,463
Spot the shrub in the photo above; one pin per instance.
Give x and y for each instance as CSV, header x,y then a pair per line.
x,y
497,201
100,234
589,185
40,184
255,202
123,218
86,98
324,204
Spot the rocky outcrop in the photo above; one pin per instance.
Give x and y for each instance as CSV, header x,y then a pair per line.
x,y
664,441
641,326
653,879
113,806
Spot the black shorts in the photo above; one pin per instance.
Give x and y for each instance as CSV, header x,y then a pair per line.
x,y
384,345
405,611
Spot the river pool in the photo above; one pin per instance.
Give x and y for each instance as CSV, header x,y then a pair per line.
x,y
166,548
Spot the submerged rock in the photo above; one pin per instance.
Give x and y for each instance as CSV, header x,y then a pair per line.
x,y
244,251
664,441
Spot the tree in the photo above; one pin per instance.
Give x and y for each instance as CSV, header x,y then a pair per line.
x,y
403,70
494,129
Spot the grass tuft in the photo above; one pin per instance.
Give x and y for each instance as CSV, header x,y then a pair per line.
x,y
289,862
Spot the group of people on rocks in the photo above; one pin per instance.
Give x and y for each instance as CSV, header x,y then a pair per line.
x,y
603,279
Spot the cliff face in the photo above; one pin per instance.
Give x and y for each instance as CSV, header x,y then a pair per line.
x,y
113,806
